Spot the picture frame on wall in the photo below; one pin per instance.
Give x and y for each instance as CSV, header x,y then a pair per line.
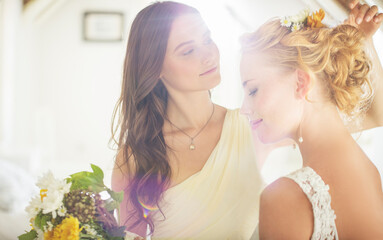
x,y
103,26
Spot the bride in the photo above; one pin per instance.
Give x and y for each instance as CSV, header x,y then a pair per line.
x,y
297,76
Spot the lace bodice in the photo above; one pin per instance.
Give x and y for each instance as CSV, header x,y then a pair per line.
x,y
318,194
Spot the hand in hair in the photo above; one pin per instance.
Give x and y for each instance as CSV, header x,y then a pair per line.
x,y
364,17
368,20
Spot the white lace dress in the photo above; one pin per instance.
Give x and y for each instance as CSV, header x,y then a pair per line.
x,y
318,194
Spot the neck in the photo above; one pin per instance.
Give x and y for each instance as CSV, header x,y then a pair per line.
x,y
323,131
189,111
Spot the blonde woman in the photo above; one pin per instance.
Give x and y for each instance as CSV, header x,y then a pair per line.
x,y
298,76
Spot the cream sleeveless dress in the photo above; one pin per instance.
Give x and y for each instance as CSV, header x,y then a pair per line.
x,y
222,200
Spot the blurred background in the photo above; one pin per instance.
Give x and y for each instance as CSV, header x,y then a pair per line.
x,y
60,75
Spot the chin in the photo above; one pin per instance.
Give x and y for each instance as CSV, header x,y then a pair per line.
x,y
269,138
214,81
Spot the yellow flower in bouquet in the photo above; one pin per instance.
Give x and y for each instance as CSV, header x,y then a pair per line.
x,y
68,229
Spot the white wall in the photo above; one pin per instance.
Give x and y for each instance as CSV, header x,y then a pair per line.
x,y
67,89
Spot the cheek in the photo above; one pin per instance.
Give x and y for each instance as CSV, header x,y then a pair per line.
x,y
279,113
279,104
216,52
179,73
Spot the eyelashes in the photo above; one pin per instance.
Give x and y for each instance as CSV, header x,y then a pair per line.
x,y
253,92
208,41
188,52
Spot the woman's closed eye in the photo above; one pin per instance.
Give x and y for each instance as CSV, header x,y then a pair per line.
x,y
188,52
253,92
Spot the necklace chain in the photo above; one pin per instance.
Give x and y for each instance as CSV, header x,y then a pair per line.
x,y
192,146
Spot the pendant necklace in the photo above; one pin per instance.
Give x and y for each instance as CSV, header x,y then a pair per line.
x,y
192,146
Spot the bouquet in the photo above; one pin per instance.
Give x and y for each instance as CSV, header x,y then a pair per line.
x,y
73,209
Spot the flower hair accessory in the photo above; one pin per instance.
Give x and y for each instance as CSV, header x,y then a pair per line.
x,y
304,19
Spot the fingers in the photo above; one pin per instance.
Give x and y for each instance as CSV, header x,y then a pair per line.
x,y
362,13
353,3
351,21
371,13
378,18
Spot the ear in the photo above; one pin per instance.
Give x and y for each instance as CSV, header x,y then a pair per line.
x,y
303,82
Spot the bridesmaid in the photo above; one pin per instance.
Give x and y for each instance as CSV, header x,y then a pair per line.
x,y
187,165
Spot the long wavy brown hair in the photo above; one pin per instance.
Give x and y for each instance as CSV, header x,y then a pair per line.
x,y
139,114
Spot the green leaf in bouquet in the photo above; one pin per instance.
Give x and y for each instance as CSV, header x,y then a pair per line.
x,y
38,220
93,181
111,205
42,219
98,173
31,235
117,196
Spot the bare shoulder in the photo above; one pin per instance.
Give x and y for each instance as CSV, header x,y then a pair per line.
x,y
122,171
285,212
221,112
357,200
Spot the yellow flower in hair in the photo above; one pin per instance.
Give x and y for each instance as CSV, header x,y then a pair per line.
x,y
315,21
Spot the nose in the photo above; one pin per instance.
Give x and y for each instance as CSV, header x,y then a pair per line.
x,y
245,110
209,55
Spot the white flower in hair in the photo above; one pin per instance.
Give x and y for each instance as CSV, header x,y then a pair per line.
x,y
304,14
286,22
303,19
296,26
297,18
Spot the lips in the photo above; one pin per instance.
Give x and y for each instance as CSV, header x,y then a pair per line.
x,y
255,123
211,70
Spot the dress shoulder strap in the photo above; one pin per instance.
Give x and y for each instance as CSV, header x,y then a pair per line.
x,y
318,194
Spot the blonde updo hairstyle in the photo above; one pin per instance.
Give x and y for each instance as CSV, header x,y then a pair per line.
x,y
333,55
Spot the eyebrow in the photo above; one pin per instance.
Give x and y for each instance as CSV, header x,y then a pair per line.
x,y
191,41
245,82
183,44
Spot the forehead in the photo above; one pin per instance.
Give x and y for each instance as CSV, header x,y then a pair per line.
x,y
259,66
251,65
186,27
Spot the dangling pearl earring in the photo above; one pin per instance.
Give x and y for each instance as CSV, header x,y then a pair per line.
x,y
300,139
